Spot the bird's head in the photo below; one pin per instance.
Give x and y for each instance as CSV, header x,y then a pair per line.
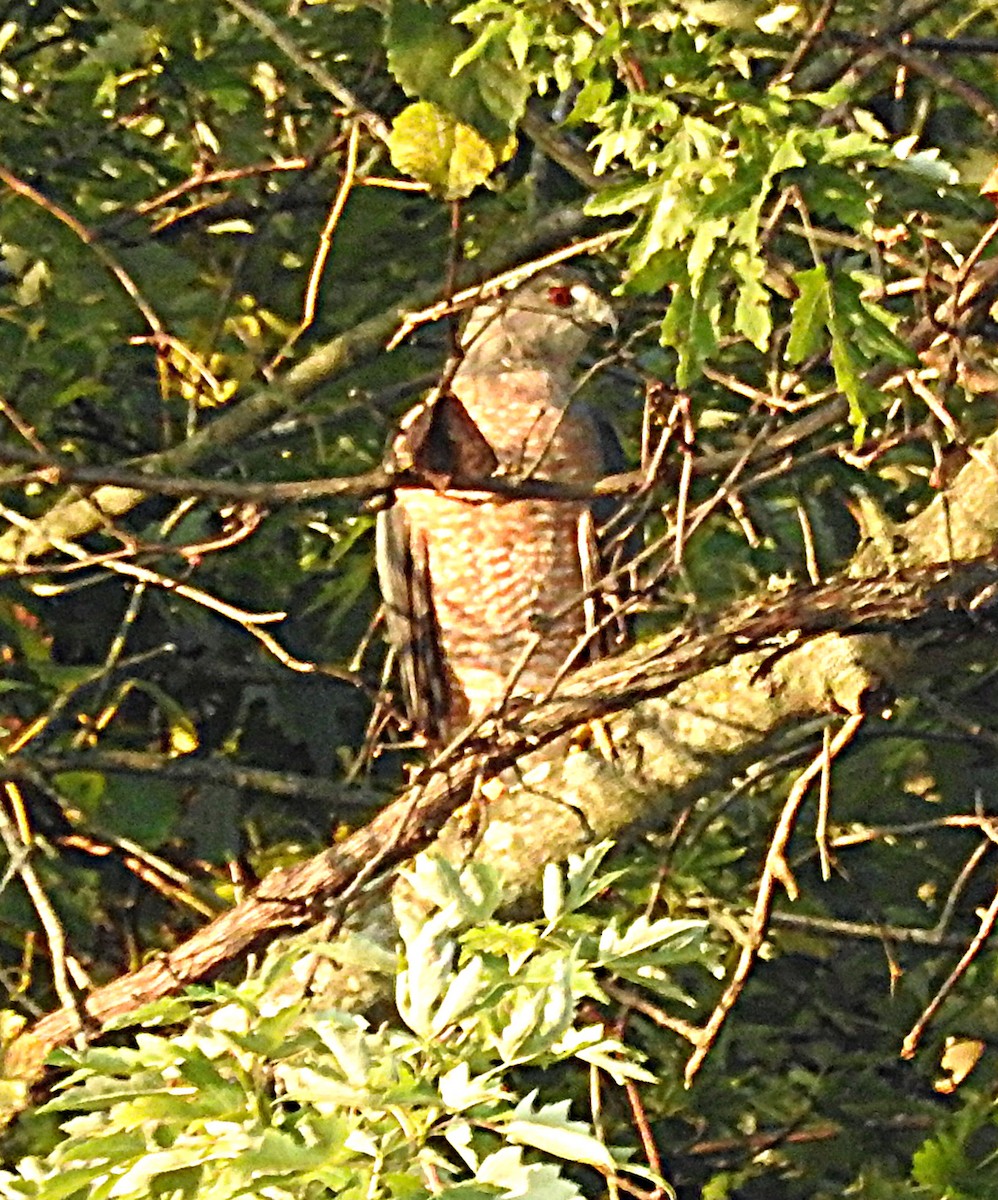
x,y
545,321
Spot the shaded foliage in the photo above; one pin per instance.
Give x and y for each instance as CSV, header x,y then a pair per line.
x,y
787,198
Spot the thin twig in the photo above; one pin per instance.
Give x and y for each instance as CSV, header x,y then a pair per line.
x,y
485,291
644,1129
53,470
775,869
23,428
273,32
910,1044
89,239
824,790
807,42
251,622
323,248
204,178
975,99
20,862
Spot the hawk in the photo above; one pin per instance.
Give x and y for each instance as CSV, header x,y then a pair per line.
x,y
486,594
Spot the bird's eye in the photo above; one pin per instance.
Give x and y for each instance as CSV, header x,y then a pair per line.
x,y
560,296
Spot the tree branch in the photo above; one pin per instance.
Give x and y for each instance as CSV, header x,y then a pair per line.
x,y
74,516
289,899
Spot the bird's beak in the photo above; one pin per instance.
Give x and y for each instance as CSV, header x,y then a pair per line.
x,y
592,307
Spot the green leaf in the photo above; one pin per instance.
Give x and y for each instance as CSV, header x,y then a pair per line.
x,y
847,376
706,236
349,1046
421,985
549,1129
580,874
623,197
461,996
752,313
424,48
859,336
505,1169
459,1090
810,315
431,146
690,326
145,809
540,1018
464,896
941,1164
673,941
83,789
870,324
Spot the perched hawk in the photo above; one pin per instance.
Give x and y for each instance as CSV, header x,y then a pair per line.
x,y
472,581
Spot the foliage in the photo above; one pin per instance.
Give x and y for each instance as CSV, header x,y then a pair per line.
x,y
258,1094
782,205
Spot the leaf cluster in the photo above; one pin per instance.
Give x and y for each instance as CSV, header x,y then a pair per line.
x,y
260,1094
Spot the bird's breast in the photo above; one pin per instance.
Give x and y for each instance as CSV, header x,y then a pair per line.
x,y
505,576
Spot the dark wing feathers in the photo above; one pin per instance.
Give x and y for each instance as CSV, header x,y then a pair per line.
x,y
604,555
407,591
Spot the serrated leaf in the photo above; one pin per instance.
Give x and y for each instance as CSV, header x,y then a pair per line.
x,y
810,315
927,166
350,1050
705,239
581,878
666,936
788,155
461,996
281,1154
621,198
230,1142
549,1129
459,1135
593,94
460,1091
489,93
847,377
869,324
420,986
690,327
431,146
102,1093
619,1069
309,1086
589,1045
524,1021
465,897
506,1169
752,314
939,1162
113,1147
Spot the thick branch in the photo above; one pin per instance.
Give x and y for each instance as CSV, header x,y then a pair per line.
x,y
291,898
366,486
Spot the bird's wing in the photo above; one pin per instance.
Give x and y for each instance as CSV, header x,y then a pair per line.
x,y
407,592
607,543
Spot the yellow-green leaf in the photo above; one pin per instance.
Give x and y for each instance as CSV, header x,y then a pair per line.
x,y
428,144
